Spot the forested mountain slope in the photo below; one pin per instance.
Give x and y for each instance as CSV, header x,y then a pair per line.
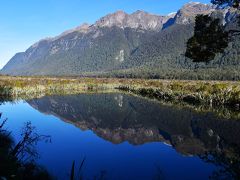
x,y
129,45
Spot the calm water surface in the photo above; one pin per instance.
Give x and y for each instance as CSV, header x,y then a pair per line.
x,y
127,137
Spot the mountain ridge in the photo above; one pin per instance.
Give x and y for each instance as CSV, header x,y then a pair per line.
x,y
120,44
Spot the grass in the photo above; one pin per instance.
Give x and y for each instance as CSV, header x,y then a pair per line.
x,y
18,86
211,93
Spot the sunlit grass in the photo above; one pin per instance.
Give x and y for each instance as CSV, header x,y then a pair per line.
x,y
204,92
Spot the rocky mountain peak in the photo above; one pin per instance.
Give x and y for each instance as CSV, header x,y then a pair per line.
x,y
140,13
139,19
188,12
83,28
197,8
114,19
119,13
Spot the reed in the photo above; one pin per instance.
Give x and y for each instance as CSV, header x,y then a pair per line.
x,y
212,93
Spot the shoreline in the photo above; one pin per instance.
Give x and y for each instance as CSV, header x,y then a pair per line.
x,y
210,93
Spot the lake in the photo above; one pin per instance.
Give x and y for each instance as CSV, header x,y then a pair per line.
x,y
119,136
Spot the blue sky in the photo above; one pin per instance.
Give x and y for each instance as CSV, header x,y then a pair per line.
x,y
23,22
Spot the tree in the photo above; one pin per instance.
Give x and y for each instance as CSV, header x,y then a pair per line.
x,y
210,36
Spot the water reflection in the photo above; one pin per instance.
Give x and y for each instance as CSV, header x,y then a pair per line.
x,y
17,160
118,118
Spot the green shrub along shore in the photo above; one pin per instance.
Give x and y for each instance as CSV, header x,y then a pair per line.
x,y
39,86
212,93
192,92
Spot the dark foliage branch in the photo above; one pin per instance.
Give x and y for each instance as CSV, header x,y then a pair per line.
x,y
17,162
2,123
25,149
209,38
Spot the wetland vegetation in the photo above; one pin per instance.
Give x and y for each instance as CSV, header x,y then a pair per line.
x,y
207,94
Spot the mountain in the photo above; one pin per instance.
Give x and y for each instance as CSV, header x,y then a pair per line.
x,y
129,45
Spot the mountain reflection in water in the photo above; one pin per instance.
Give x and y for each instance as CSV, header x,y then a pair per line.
x,y
119,118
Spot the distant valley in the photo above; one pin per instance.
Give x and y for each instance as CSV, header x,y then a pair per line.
x,y
130,45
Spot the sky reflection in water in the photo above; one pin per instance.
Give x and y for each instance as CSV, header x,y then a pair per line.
x,y
121,136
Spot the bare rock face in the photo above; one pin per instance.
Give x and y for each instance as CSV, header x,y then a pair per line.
x,y
82,29
115,19
188,12
138,19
